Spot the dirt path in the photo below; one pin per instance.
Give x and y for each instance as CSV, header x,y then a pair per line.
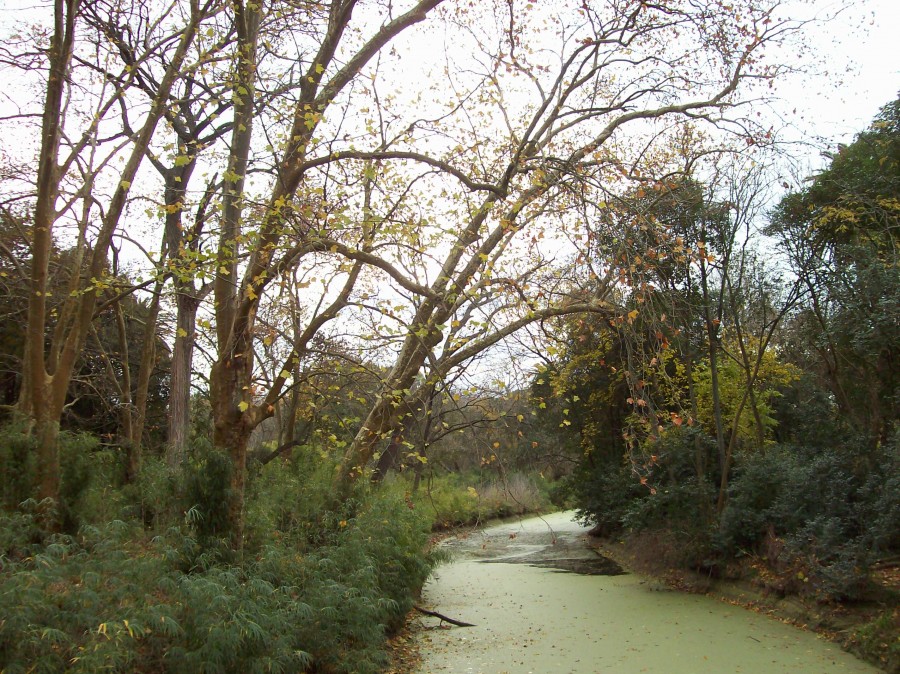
x,y
543,602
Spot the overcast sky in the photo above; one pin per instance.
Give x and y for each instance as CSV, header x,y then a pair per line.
x,y
865,38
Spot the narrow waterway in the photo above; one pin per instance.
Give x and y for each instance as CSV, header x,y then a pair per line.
x,y
543,603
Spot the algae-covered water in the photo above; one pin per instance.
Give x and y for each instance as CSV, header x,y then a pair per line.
x,y
541,603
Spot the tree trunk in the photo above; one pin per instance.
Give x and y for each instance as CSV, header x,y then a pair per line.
x,y
699,451
47,386
126,411
46,432
389,456
231,433
178,417
385,413
729,454
142,388
712,346
35,401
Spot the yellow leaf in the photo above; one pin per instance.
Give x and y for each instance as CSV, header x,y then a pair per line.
x,y
243,406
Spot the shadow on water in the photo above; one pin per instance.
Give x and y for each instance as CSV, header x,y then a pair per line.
x,y
597,566
548,542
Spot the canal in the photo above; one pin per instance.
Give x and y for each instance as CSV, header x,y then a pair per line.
x,y
543,602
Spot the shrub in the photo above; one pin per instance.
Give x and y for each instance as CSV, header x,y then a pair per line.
x,y
819,517
667,493
604,493
157,496
111,600
877,640
208,496
318,587
17,465
757,485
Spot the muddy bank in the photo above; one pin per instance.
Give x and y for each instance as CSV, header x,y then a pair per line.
x,y
532,613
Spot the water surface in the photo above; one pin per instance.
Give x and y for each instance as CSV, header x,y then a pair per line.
x,y
541,603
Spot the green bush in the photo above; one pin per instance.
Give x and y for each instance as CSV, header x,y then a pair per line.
x,y
758,483
317,588
877,640
18,452
604,492
821,516
88,476
668,495
157,496
206,504
291,500
110,600
679,506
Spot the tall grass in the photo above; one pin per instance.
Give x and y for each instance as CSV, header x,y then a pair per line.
x,y
464,499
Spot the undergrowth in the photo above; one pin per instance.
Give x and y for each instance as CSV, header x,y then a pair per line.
x,y
314,589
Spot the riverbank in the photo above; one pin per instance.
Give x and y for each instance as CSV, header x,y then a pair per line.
x,y
869,630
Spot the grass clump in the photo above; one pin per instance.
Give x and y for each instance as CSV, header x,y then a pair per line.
x,y
879,640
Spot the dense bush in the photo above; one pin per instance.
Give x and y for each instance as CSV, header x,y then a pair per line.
x,y
315,589
814,519
877,640
18,452
613,495
88,475
603,492
819,517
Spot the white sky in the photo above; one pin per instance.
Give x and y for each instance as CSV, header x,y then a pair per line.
x,y
861,51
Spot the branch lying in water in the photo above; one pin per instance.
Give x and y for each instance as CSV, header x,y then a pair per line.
x,y
435,614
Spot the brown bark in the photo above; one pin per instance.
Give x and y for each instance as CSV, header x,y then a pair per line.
x,y
237,301
125,408
442,617
700,457
38,402
713,354
388,459
231,433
